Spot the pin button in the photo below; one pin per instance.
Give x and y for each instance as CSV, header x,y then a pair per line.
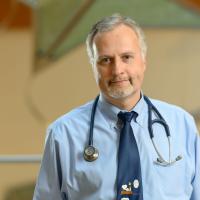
x,y
136,183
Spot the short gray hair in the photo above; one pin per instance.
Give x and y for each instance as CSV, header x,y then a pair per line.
x,y
108,24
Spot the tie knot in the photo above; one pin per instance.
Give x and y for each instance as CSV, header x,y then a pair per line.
x,y
127,116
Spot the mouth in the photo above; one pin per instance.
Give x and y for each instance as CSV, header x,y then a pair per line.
x,y
120,82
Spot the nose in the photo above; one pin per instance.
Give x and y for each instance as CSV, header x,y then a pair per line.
x,y
118,66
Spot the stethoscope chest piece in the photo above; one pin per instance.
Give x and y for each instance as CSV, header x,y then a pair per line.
x,y
90,153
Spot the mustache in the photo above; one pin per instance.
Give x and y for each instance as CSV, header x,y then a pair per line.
x,y
119,78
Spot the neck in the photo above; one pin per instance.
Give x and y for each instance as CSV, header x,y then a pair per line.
x,y
126,103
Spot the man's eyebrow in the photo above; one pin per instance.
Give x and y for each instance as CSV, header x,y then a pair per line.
x,y
100,57
128,53
104,56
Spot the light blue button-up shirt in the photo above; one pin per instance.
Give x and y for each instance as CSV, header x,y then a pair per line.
x,y
65,175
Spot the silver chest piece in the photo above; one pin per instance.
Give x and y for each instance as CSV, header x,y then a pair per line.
x,y
90,153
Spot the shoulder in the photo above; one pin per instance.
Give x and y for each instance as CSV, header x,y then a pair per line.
x,y
74,119
173,112
169,108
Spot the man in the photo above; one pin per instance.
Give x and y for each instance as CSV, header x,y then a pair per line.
x,y
117,52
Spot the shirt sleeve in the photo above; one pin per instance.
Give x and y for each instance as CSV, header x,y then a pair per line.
x,y
48,186
196,180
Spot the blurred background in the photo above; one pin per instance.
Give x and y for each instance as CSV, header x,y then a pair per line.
x,y
45,72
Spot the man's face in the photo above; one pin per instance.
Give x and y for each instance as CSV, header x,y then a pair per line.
x,y
118,63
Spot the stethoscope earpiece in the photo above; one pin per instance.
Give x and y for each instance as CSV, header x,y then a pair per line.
x,y
162,162
179,157
90,153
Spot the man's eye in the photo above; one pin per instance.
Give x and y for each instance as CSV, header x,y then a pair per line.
x,y
127,58
105,61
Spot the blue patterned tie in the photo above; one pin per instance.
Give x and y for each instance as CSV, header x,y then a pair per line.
x,y
129,179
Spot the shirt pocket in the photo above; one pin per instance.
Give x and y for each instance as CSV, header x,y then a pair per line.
x,y
176,179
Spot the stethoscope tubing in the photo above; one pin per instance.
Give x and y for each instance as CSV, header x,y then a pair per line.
x,y
151,121
90,142
91,153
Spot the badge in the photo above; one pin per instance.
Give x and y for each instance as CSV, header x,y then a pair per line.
x,y
127,190
136,183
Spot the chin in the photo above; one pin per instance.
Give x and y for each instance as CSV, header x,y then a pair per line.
x,y
120,94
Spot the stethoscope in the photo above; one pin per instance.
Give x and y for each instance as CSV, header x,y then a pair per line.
x,y
91,153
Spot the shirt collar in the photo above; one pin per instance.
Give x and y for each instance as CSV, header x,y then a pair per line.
x,y
141,109
110,111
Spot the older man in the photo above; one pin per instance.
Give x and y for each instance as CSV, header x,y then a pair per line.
x,y
141,149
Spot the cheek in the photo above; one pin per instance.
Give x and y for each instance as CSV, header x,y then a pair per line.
x,y
100,75
140,78
137,76
103,73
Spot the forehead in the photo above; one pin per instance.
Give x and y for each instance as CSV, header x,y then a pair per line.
x,y
118,29
121,37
